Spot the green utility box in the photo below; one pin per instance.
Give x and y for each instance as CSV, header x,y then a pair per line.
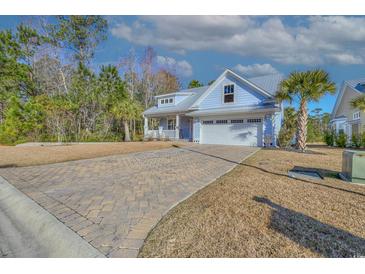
x,y
353,166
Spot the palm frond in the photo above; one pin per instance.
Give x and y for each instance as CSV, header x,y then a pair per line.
x,y
359,103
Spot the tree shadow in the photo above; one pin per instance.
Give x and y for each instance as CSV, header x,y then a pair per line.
x,y
321,238
271,172
8,165
294,150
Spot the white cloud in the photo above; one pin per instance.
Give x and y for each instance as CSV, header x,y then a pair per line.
x,y
314,40
182,68
256,69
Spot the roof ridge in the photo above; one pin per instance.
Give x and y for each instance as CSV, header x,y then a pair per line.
x,y
266,75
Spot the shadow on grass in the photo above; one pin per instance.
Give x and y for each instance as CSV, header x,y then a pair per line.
x,y
8,165
324,239
271,172
293,150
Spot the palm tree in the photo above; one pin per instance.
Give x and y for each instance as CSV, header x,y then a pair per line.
x,y
305,86
359,103
126,110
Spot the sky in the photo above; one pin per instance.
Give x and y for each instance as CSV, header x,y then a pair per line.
x,y
201,47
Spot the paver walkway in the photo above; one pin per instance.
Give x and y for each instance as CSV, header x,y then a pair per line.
x,y
113,202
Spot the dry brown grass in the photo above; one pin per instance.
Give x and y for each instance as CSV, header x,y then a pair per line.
x,y
257,211
39,155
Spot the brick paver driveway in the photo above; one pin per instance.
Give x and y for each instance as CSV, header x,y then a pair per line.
x,y
113,202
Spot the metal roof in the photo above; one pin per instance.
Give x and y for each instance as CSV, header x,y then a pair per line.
x,y
357,84
269,83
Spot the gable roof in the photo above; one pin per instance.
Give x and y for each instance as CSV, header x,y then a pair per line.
x,y
255,85
348,83
266,85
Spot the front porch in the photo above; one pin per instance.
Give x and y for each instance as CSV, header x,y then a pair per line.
x,y
172,127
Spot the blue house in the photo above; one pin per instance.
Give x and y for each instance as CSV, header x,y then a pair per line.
x,y
234,110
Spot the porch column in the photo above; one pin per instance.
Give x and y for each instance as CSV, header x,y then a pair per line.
x,y
145,127
177,127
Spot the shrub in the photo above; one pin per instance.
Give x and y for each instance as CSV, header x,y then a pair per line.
x,y
355,141
329,137
341,139
362,139
289,127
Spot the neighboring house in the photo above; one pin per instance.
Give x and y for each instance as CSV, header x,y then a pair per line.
x,y
233,110
344,118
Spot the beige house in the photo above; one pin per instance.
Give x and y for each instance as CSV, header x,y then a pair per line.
x,y
344,118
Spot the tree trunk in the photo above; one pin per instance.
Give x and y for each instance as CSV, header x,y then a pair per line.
x,y
302,126
134,128
127,137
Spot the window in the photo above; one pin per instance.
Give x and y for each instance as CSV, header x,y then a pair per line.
x,y
171,124
162,101
166,101
240,121
228,94
210,122
254,120
356,115
171,100
221,122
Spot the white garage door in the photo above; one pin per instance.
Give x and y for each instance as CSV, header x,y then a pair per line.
x,y
232,132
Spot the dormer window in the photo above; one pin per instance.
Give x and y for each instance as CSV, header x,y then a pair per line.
x,y
165,101
228,94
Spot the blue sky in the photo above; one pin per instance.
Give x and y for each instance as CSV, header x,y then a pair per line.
x,y
200,47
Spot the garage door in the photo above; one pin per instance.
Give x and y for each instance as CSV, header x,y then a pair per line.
x,y
232,132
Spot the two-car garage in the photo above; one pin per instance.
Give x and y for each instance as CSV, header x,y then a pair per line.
x,y
235,131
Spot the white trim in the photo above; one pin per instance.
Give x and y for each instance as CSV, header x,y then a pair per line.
x,y
229,111
173,94
220,78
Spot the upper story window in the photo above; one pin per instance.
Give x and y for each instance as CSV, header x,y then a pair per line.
x,y
356,115
167,101
228,94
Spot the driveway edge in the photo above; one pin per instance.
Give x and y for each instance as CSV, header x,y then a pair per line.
x,y
182,200
57,240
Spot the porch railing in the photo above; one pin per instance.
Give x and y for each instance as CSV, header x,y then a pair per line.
x,y
161,134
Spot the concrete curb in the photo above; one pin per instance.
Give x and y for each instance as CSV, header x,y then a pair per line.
x,y
52,236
